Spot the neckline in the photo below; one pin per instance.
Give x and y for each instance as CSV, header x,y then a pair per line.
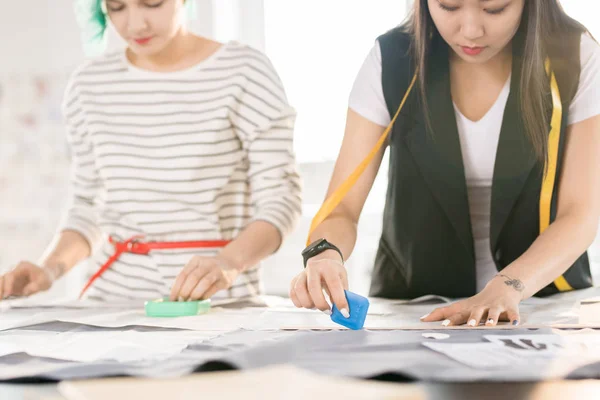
x,y
191,69
501,99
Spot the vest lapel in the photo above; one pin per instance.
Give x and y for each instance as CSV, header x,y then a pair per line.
x,y
438,154
515,159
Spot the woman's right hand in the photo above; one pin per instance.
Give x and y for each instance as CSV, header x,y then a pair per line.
x,y
326,272
25,280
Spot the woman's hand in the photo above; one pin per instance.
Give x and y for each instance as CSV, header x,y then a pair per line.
x,y
325,271
499,300
26,279
202,277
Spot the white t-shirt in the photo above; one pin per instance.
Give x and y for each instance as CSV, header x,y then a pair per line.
x,y
479,140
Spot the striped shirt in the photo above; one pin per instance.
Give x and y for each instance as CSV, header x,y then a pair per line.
x,y
177,156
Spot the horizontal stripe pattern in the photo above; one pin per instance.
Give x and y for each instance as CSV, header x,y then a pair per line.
x,y
190,155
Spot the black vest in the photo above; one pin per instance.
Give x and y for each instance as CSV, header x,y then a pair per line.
x,y
426,245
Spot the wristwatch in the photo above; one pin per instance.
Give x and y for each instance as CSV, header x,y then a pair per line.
x,y
317,247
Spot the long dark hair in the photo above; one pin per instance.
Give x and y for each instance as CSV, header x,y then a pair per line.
x,y
542,22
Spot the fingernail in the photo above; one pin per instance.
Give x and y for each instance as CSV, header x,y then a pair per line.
x,y
180,298
472,322
446,322
515,322
327,312
490,321
425,316
345,312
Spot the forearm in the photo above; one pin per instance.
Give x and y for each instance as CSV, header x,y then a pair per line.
x,y
552,253
340,230
70,249
257,241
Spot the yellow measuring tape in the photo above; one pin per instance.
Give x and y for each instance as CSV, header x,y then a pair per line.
x,y
547,186
338,195
550,173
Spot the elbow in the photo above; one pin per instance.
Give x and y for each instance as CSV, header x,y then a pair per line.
x,y
590,236
585,226
343,215
294,218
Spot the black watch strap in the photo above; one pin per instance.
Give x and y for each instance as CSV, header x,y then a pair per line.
x,y
317,247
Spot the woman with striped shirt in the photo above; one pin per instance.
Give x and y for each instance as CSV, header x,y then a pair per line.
x,y
184,176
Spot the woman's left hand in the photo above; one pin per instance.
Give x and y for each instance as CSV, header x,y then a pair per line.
x,y
499,300
202,277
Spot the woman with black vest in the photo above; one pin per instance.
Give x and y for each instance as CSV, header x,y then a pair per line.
x,y
494,179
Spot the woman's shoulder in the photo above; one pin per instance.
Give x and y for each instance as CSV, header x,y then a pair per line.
x,y
590,50
102,66
244,54
397,37
396,42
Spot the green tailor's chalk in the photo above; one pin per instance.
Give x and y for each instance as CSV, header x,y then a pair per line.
x,y
163,308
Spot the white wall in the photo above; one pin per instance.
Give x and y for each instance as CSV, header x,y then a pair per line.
x,y
38,36
40,45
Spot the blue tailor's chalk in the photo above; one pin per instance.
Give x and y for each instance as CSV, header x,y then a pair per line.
x,y
358,311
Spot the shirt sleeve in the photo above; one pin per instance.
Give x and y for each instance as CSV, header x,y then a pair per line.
x,y
81,214
586,103
366,97
265,124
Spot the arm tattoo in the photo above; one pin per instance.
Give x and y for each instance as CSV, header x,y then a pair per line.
x,y
515,283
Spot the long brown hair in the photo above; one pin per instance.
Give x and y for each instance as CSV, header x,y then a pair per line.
x,y
542,21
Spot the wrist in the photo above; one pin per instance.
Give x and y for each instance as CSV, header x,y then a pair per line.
x,y
512,284
54,270
231,261
328,254
321,247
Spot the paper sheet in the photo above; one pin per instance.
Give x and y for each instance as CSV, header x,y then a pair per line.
x,y
478,355
384,314
85,345
100,346
589,312
581,345
11,319
556,355
466,356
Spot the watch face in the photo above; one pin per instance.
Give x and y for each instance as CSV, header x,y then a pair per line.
x,y
313,246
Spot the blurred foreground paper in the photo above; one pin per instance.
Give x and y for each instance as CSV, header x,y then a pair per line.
x,y
279,382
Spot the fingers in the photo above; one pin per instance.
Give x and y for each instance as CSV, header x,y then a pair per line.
x,y
209,281
39,280
213,289
182,278
26,279
336,290
192,280
476,316
513,316
8,285
302,293
344,277
31,288
472,316
493,316
457,319
315,289
293,295
439,314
